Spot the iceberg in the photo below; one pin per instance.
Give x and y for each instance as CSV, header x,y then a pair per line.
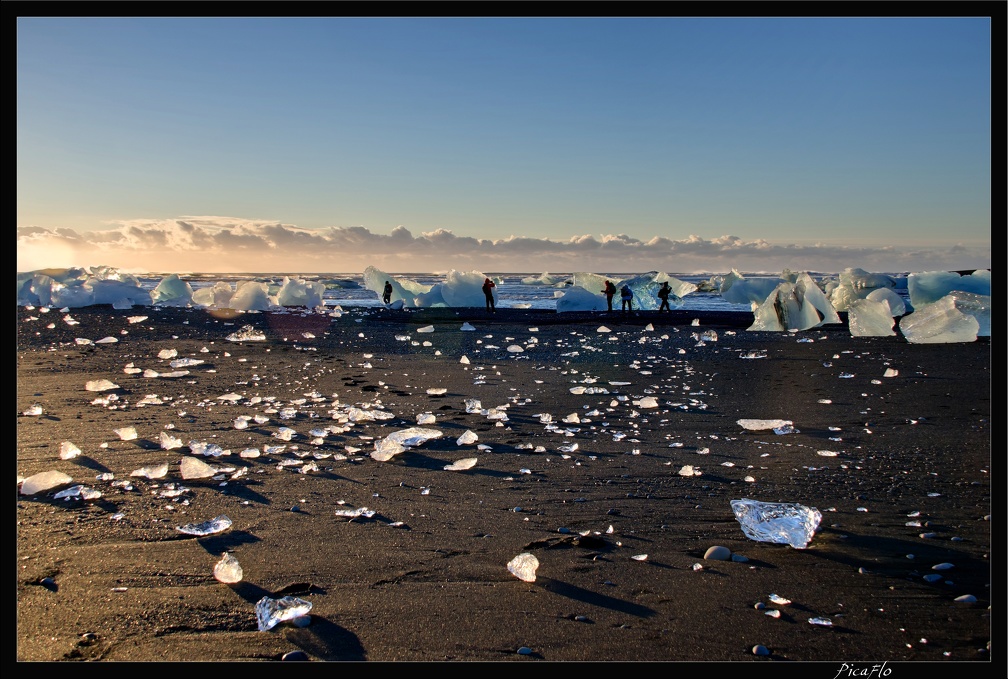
x,y
172,291
251,296
76,287
897,306
299,292
930,286
939,322
977,306
645,288
868,318
579,299
785,309
737,289
458,289
854,284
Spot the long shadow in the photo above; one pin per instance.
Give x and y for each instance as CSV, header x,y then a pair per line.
x,y
326,640
594,598
91,463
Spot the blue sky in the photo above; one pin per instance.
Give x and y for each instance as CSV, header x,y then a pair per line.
x,y
504,144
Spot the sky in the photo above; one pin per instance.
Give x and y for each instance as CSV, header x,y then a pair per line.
x,y
504,144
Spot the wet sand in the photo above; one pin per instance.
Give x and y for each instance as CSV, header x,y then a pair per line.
x,y
620,534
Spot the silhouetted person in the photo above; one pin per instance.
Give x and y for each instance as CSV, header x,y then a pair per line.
x,y
387,296
609,292
663,294
626,294
488,286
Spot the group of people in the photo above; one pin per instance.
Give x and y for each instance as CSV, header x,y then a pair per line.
x,y
626,295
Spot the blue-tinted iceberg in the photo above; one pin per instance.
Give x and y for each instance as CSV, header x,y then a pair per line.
x,y
930,286
870,318
76,287
172,291
897,305
579,299
645,289
738,289
856,284
546,280
458,289
797,305
939,322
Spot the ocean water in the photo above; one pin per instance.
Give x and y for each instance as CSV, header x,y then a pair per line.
x,y
347,289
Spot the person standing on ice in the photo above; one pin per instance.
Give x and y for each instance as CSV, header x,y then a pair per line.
x,y
626,294
663,294
488,286
387,295
609,292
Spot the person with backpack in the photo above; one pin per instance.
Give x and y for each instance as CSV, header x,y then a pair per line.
x,y
663,293
626,294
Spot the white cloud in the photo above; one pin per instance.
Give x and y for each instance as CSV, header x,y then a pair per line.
x,y
227,244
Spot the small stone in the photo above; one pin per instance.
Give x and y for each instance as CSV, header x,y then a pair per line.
x,y
717,553
524,650
760,649
966,599
295,655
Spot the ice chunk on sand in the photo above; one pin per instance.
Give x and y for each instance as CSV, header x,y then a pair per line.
x,y
43,481
100,385
524,566
68,450
126,433
468,438
400,441
271,612
738,289
228,570
939,322
172,291
215,525
247,333
461,465
868,318
897,305
778,522
759,425
195,468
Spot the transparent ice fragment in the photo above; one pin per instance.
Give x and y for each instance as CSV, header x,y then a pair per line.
x,y
34,410
228,570
215,525
43,481
195,468
248,333
461,465
784,523
271,612
151,471
83,492
126,433
100,385
759,425
469,437
524,566
68,450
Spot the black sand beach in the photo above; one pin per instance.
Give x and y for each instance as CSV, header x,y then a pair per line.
x,y
425,578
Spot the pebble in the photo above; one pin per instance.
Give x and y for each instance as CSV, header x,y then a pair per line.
x,y
966,599
524,650
717,553
760,649
295,655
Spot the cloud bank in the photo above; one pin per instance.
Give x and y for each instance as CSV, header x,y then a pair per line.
x,y
232,245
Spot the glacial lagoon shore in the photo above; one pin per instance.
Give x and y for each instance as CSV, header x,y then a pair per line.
x,y
607,446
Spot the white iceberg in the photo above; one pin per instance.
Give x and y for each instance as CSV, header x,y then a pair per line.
x,y
939,322
868,318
